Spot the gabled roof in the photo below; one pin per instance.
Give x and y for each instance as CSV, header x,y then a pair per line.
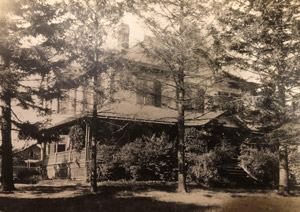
x,y
137,54
28,147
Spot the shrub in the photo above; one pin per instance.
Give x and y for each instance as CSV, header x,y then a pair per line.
x,y
108,167
206,169
294,166
262,164
195,141
77,137
149,158
28,176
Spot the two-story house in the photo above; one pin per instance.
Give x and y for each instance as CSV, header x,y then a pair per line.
x,y
143,102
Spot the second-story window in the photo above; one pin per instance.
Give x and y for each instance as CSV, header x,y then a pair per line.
x,y
157,93
62,105
148,92
195,99
84,99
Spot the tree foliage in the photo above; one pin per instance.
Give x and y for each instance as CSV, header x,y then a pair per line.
x,y
149,158
185,48
29,37
77,137
87,38
264,39
262,164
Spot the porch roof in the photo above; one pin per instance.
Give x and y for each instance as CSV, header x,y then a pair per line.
x,y
143,113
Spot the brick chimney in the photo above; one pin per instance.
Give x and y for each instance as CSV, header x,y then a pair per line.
x,y
123,37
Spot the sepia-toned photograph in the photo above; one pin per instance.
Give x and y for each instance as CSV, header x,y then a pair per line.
x,y
150,105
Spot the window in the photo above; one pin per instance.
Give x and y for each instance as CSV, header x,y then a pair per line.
x,y
227,100
30,154
62,105
227,94
148,92
84,99
61,147
221,93
233,85
157,94
195,99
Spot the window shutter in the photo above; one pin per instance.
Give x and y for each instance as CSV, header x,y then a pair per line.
x,y
157,93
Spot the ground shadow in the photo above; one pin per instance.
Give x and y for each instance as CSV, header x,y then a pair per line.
x,y
52,189
98,202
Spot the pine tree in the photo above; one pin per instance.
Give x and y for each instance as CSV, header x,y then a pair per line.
x,y
185,48
264,38
21,62
92,23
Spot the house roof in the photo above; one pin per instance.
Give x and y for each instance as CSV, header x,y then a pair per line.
x,y
144,113
137,54
28,147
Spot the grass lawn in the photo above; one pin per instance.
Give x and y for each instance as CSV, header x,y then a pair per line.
x,y
141,196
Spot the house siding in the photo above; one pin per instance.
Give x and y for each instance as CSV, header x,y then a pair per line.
x,y
68,164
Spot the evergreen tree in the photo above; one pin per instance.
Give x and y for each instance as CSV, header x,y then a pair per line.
x,y
185,48
264,39
21,63
92,25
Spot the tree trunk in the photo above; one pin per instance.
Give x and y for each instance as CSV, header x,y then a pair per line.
x,y
7,162
180,138
283,153
93,137
283,171
94,165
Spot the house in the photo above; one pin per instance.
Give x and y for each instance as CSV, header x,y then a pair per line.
x,y
147,107
27,158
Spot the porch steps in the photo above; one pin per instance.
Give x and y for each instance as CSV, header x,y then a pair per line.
x,y
238,177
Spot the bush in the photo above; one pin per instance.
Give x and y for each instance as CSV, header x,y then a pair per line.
x,y
294,166
77,137
262,164
206,169
108,167
29,176
149,158
196,141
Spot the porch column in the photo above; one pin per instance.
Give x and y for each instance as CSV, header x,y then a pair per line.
x,y
55,147
42,152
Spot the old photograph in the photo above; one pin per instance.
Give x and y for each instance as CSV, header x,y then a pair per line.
x,y
146,105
